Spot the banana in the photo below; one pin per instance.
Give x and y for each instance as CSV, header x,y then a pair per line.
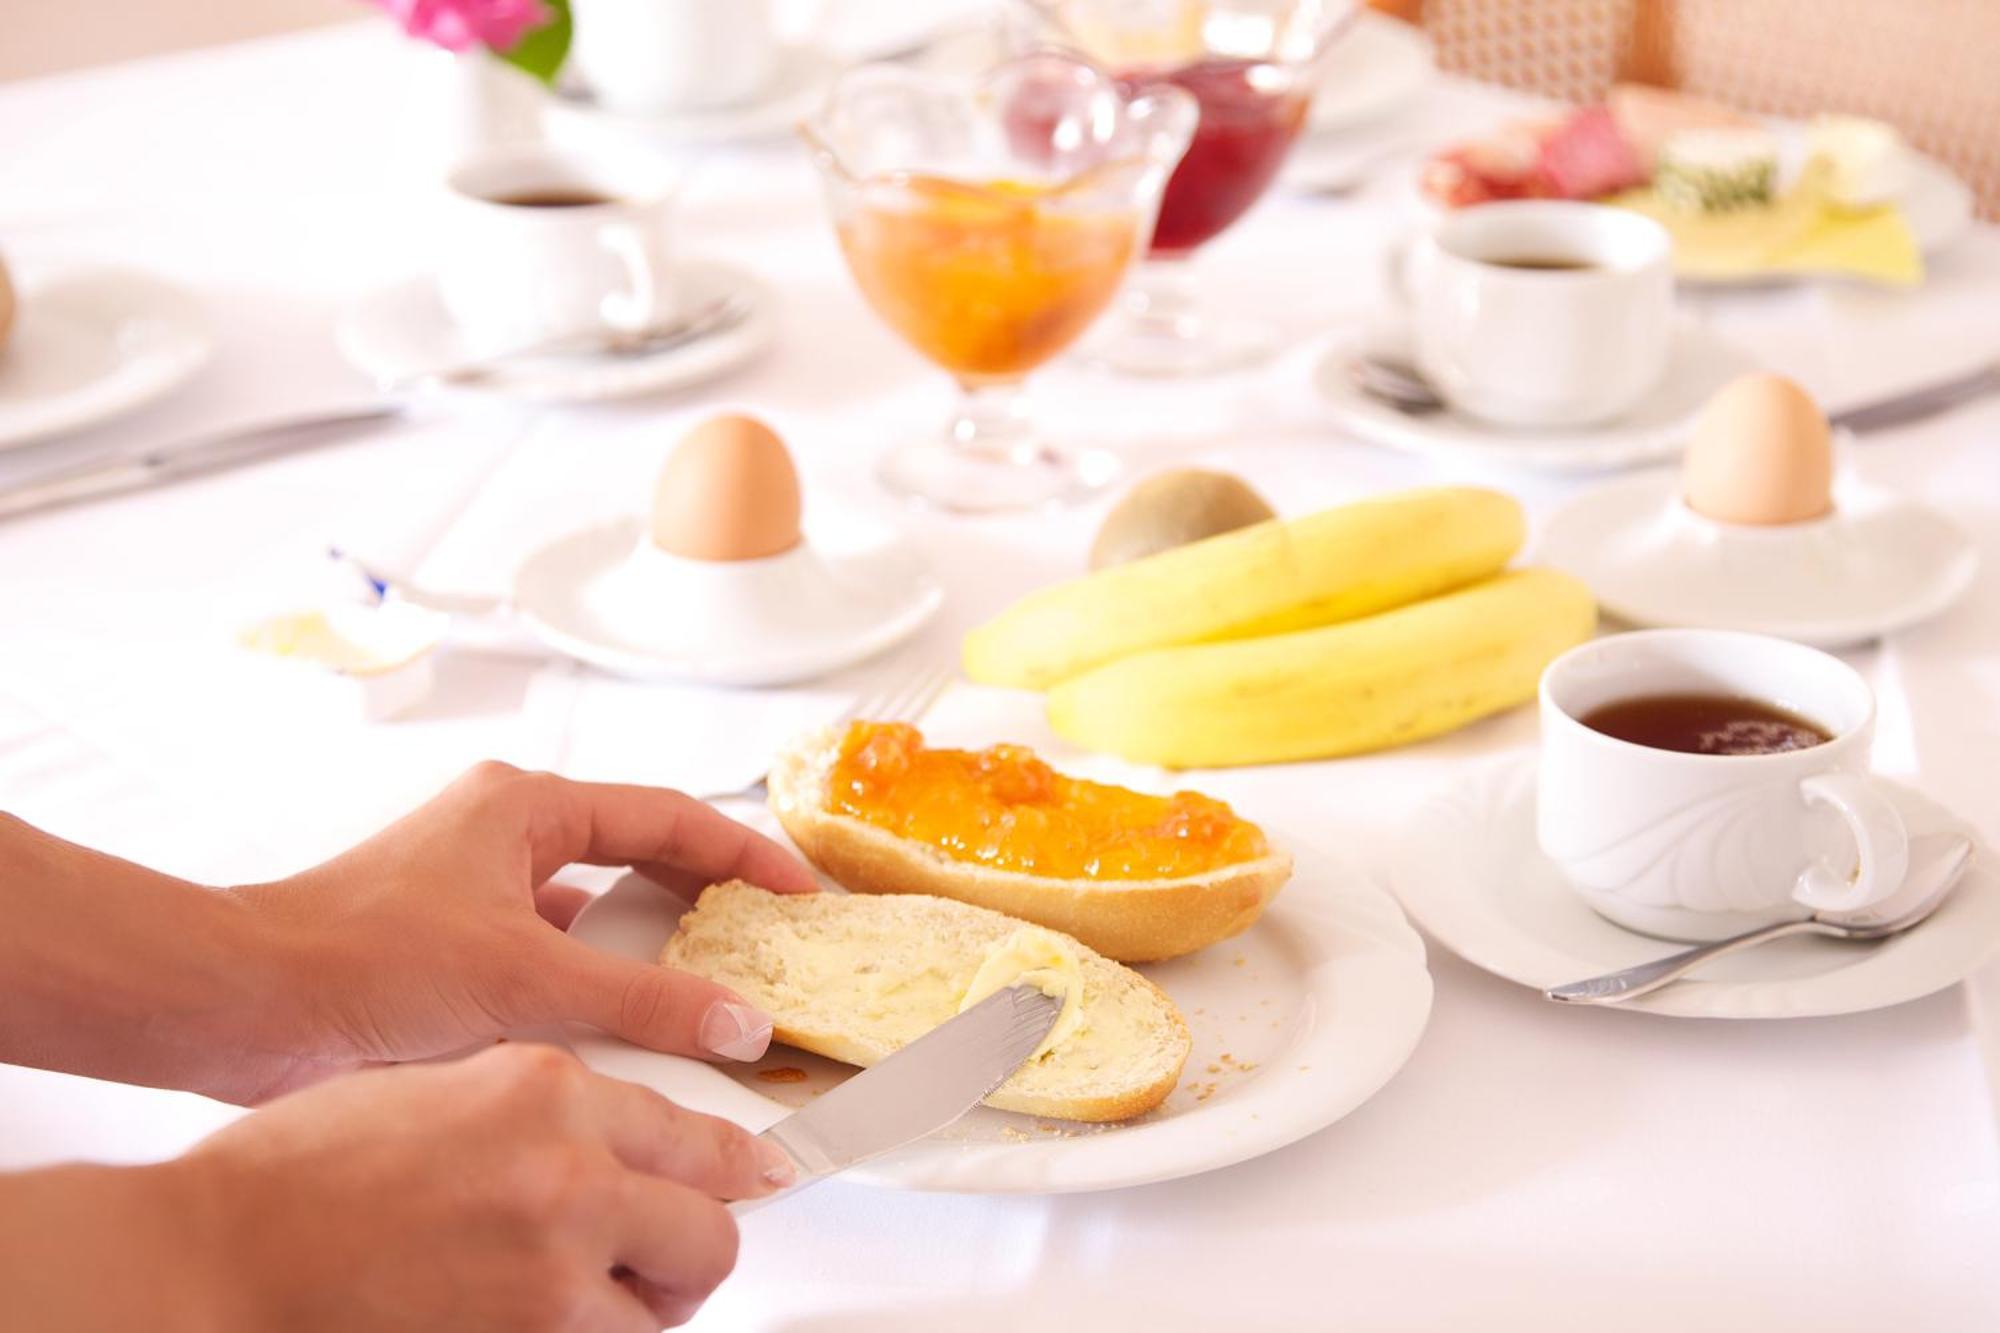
x,y
1338,564
1367,684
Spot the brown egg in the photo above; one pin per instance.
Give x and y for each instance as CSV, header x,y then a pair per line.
x,y
728,492
1760,454
1172,509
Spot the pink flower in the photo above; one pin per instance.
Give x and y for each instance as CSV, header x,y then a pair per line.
x,y
459,24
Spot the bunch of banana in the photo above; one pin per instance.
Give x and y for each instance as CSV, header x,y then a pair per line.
x,y
1356,628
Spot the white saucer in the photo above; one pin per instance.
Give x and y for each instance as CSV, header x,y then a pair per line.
x,y
1474,878
404,330
1379,68
1879,563
92,345
795,92
1701,363
1296,1022
606,596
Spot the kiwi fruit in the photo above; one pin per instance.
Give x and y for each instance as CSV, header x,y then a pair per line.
x,y
1172,509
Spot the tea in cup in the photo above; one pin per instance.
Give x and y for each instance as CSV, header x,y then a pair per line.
x,y
1695,784
541,243
1542,313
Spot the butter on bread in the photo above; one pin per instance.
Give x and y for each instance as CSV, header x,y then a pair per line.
x,y
855,977
1133,921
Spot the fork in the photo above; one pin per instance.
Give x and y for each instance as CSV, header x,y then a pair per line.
x,y
905,699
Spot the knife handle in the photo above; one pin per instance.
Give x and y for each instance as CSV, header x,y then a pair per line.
x,y
1918,404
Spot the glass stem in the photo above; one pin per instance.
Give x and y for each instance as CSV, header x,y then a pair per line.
x,y
1162,300
991,421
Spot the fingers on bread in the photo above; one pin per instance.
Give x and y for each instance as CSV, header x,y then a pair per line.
x,y
855,977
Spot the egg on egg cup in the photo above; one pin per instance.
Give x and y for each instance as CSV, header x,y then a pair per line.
x,y
722,583
1757,532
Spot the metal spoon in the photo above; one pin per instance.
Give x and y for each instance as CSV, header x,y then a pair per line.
x,y
1390,379
1937,861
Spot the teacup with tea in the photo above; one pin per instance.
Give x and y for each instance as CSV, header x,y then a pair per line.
x,y
1695,784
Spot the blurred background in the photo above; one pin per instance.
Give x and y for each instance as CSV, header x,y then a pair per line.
x,y
1926,66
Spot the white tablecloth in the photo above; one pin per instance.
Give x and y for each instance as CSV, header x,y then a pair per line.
x,y
1531,1168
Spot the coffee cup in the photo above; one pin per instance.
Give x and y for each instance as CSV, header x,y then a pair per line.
x,y
542,243
650,56
1700,846
1542,313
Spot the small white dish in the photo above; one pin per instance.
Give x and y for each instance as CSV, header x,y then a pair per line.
x,y
1473,876
379,658
1700,363
607,596
804,71
1296,1022
95,344
402,330
1877,564
1377,69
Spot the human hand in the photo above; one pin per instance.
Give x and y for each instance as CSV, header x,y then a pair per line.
x,y
510,1191
443,930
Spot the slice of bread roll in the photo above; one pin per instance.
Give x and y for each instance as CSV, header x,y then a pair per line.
x,y
855,978
1133,921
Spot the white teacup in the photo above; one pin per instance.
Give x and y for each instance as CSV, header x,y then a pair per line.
x,y
674,55
1578,342
1702,846
542,243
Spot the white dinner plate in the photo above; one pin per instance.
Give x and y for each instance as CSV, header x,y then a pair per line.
x,y
404,330
803,75
1879,563
1296,1022
583,594
1379,68
1701,363
1472,875
92,345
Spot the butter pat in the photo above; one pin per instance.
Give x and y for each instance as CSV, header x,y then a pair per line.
x,y
1038,958
380,657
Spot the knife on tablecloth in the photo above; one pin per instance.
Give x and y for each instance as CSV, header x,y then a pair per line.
x,y
917,1091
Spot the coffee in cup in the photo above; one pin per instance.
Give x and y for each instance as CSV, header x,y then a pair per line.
x,y
542,242
1542,313
1699,783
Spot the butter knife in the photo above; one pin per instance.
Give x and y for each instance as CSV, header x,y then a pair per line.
x,y
154,467
1917,404
917,1091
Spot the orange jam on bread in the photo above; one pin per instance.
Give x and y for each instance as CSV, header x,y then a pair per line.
x,y
1004,808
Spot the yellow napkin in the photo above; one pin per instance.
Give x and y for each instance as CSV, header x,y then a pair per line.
x,y
1803,231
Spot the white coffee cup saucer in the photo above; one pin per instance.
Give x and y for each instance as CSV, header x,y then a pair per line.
x,y
1700,363
1879,563
802,73
403,330
1472,875
606,595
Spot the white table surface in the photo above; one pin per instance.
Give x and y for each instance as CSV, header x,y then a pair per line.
x,y
1532,1168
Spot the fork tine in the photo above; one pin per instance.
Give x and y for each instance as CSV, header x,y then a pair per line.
x,y
928,688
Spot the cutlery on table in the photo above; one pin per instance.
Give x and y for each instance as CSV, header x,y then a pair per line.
x,y
917,1091
168,463
1937,861
905,699
1396,382
1917,404
711,317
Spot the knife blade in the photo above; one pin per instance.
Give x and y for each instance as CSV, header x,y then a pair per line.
x,y
920,1089
1903,408
154,467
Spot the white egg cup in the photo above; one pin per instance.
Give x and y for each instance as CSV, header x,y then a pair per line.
x,y
608,596
1877,563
